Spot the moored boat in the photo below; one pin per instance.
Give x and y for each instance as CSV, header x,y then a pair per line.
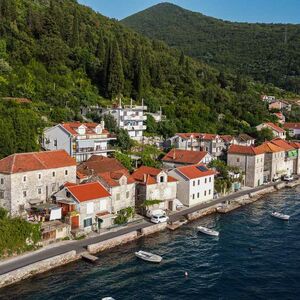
x,y
280,216
208,231
147,256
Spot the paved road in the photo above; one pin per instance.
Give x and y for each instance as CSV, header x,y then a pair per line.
x,y
76,245
178,215
79,246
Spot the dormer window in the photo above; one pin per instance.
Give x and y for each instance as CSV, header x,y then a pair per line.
x,y
98,129
162,179
81,130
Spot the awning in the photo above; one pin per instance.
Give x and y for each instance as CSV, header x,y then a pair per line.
x,y
35,201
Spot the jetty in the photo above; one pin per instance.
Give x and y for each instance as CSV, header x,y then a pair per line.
x,y
89,257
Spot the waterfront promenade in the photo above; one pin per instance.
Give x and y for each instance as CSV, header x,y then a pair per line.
x,y
15,263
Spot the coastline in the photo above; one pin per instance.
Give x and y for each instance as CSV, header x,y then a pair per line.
x,y
190,214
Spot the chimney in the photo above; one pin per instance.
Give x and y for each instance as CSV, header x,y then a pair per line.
x,y
174,154
145,177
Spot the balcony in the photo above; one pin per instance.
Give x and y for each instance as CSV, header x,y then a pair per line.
x,y
135,118
135,127
94,150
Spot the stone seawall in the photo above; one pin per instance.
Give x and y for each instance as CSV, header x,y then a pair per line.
x,y
201,213
37,268
153,229
111,243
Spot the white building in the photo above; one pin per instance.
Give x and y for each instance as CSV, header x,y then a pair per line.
x,y
195,184
79,140
31,178
293,129
277,131
130,118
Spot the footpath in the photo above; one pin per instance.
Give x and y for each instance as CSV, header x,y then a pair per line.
x,y
21,267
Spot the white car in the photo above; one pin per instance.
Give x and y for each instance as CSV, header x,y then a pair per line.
x,y
159,219
288,178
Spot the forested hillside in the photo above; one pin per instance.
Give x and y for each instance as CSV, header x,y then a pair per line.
x,y
63,55
267,52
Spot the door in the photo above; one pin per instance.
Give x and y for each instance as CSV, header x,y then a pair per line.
x,y
170,205
75,222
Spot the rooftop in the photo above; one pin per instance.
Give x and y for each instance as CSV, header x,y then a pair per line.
x,y
244,150
274,127
26,162
88,191
269,147
292,125
184,156
283,144
195,171
72,128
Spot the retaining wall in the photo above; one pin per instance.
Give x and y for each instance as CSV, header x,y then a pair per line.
x,y
201,213
154,228
120,240
37,268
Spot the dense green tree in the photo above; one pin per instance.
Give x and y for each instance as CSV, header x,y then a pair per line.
x,y
124,142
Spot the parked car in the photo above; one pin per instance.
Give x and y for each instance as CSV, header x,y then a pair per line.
x,y
288,178
275,179
158,211
159,219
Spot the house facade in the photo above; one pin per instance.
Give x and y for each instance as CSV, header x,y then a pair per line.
x,y
195,184
244,139
250,161
293,129
155,184
28,179
131,118
86,206
277,131
177,157
79,140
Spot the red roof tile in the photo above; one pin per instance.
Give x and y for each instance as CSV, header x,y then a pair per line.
x,y
148,175
192,172
73,126
189,135
25,162
184,156
112,178
274,127
244,150
283,144
268,147
292,125
88,191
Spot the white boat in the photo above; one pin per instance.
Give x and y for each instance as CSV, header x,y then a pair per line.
x,y
147,256
280,216
108,298
208,231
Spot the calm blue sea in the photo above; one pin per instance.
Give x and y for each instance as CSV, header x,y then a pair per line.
x,y
255,257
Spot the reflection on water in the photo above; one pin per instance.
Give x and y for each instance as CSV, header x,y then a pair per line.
x,y
255,257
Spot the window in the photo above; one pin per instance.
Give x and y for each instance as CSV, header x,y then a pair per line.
x,y
194,183
66,172
21,208
39,191
68,194
87,222
39,176
204,193
209,179
127,194
193,196
198,181
198,195
118,197
1,194
205,180
53,188
162,178
53,174
209,192
2,181
90,208
24,178
238,160
24,194
55,143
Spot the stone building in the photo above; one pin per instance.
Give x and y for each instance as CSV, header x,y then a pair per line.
x,y
31,178
155,184
277,131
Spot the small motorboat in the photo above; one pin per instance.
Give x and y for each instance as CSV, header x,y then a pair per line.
x,y
108,298
147,256
280,216
208,231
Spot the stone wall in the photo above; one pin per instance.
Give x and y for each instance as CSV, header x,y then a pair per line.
x,y
111,243
37,268
154,228
201,213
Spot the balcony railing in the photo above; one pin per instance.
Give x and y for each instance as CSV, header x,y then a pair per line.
x,y
94,150
135,127
135,118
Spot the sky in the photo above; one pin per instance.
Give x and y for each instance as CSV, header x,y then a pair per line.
x,y
266,11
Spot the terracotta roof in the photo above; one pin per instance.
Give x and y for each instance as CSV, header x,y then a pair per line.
x,y
208,136
244,150
283,144
192,172
25,162
226,138
274,127
88,191
188,135
147,175
112,178
245,137
268,147
73,126
98,164
80,175
184,156
295,144
292,125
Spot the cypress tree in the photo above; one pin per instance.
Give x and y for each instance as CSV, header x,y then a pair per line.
x,y
115,83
